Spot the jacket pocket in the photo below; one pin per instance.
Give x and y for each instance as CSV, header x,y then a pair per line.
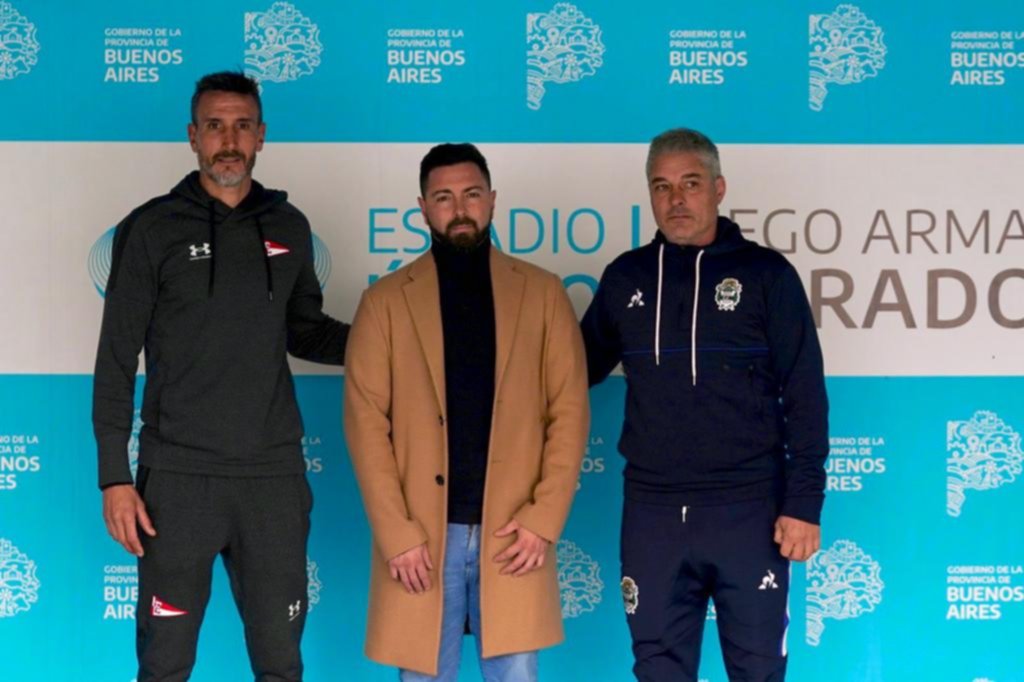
x,y
142,477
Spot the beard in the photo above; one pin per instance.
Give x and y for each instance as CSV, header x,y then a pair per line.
x,y
227,178
463,241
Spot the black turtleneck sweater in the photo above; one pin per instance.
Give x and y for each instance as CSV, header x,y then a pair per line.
x,y
467,318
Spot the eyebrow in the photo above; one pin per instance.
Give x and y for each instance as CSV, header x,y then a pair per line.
x,y
659,178
445,190
244,119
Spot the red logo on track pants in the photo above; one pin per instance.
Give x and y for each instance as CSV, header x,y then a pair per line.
x,y
162,609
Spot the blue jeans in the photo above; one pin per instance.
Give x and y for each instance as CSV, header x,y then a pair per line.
x,y
462,599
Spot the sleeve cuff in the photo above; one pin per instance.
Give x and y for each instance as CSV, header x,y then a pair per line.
x,y
104,486
531,518
114,469
401,539
806,508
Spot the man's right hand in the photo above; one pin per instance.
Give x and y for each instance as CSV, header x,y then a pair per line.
x,y
412,568
124,513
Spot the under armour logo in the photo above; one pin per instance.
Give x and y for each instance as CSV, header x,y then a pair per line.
x,y
294,610
768,582
637,300
200,252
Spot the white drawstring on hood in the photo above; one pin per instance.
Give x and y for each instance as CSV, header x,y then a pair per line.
x,y
693,321
657,308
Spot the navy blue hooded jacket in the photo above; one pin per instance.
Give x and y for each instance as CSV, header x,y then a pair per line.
x,y
725,390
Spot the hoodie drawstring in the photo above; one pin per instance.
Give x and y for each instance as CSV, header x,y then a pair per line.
x,y
693,322
657,308
213,249
266,260
213,254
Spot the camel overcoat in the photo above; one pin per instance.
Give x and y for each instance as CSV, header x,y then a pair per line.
x,y
395,426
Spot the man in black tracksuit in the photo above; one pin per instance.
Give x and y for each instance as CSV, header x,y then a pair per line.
x,y
216,282
725,434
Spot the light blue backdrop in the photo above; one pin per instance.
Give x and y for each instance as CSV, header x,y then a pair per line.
x,y
920,577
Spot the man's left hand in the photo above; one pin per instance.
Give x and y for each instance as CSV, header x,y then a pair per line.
x,y
797,540
525,554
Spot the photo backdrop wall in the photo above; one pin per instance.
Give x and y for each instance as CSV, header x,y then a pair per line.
x,y
877,144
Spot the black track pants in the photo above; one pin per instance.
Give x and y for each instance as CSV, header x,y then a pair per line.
x,y
260,527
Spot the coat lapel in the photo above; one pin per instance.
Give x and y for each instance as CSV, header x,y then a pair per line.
x,y
423,297
508,285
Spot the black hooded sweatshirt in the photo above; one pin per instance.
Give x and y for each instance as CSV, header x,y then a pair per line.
x,y
725,388
217,297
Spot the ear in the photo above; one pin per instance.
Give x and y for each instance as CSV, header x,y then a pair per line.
x,y
719,188
192,132
494,196
423,205
262,135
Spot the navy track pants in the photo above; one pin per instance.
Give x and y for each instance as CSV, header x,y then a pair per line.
x,y
675,558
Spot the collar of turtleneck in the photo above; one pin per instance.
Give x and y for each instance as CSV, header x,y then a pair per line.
x,y
455,262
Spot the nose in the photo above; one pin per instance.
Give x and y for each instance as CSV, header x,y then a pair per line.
x,y
460,208
230,138
678,196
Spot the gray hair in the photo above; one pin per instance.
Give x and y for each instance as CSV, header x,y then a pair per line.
x,y
685,140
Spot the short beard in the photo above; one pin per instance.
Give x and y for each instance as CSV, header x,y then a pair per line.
x,y
464,242
227,179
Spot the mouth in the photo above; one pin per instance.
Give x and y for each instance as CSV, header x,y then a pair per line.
x,y
462,227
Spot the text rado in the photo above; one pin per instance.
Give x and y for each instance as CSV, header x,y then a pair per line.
x,y
940,297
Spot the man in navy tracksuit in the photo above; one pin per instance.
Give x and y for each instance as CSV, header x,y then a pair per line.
x,y
726,427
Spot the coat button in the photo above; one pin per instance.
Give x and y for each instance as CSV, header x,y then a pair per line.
x,y
439,479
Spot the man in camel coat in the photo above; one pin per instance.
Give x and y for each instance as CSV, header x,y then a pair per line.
x,y
466,415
